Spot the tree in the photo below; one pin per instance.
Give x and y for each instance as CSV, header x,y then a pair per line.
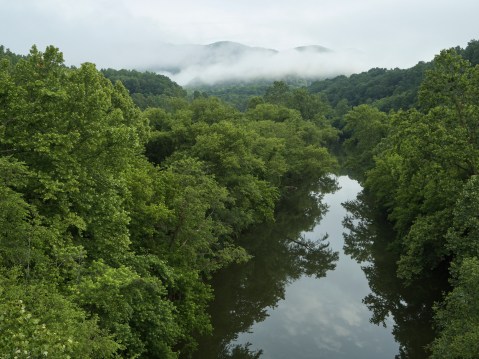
x,y
471,52
458,316
69,140
109,247
364,127
38,321
425,161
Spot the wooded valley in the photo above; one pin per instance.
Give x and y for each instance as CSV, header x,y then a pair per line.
x,y
122,193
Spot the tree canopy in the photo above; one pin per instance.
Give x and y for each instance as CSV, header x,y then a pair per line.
x,y
120,196
112,218
420,167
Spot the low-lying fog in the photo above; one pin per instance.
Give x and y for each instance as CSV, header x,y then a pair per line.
x,y
228,61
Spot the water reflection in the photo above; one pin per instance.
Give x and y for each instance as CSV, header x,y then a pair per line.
x,y
243,293
325,318
372,242
273,307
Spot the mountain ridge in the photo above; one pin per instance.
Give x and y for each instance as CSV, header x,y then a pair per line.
x,y
232,61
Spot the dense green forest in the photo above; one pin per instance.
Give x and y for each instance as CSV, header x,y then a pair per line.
x,y
120,196
112,218
419,167
238,93
147,89
385,89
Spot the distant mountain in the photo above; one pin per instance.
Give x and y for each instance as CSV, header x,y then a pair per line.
x,y
237,48
217,52
227,61
313,48
227,52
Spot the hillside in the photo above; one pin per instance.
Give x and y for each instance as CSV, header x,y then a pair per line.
x,y
102,204
147,89
386,89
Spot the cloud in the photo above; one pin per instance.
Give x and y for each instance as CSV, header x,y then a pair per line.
x,y
132,33
273,65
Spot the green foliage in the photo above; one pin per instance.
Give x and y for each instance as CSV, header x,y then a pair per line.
x,y
147,89
37,321
458,316
77,133
364,127
387,90
244,292
239,94
69,141
104,253
424,162
147,83
451,83
251,155
370,241
423,175
462,237
311,106
6,54
471,52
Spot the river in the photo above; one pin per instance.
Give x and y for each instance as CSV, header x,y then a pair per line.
x,y
295,301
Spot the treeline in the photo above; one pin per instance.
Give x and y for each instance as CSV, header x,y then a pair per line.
x,y
420,166
7,54
112,218
147,89
386,89
238,93
116,203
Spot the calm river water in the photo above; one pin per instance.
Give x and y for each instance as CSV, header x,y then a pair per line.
x,y
273,308
325,318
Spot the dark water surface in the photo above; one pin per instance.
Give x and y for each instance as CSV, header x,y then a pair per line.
x,y
325,318
296,300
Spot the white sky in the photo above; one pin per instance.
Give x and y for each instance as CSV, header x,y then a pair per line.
x,y
129,33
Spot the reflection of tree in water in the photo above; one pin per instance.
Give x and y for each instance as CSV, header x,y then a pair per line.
x,y
244,292
239,351
371,241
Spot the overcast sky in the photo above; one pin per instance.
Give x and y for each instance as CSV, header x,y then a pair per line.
x,y
129,33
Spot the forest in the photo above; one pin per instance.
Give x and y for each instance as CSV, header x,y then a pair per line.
x,y
121,194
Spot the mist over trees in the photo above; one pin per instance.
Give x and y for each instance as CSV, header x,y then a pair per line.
x,y
230,62
120,195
